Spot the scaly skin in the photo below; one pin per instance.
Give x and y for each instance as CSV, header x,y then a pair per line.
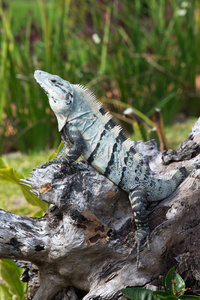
x,y
89,131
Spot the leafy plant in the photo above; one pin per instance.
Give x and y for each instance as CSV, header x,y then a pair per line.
x,y
7,173
174,288
14,287
10,273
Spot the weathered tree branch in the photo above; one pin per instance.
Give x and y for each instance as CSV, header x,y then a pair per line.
x,y
82,242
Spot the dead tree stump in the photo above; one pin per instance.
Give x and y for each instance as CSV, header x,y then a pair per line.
x,y
80,247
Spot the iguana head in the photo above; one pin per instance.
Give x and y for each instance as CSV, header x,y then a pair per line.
x,y
60,94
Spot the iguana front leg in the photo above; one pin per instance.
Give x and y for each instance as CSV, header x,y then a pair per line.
x,y
138,199
67,156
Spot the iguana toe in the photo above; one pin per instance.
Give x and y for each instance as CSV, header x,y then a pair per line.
x,y
140,236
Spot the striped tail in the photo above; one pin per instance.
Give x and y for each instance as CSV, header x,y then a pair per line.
x,y
166,186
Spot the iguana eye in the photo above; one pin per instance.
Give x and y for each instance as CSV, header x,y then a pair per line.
x,y
68,98
52,81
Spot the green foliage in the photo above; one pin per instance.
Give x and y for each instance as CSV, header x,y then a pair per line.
x,y
173,283
174,288
7,173
14,287
138,294
55,153
139,52
10,273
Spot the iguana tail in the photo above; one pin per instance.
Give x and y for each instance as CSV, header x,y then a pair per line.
x,y
162,188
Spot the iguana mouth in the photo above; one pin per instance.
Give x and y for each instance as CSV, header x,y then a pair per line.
x,y
42,83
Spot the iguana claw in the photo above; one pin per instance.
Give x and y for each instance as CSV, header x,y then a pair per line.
x,y
62,161
46,164
140,235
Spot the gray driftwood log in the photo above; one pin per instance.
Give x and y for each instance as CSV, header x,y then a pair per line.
x,y
80,248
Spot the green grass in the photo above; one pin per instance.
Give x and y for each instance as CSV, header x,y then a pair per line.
x,y
21,11
178,132
143,58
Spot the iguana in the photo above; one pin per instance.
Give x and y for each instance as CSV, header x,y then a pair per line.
x,y
89,131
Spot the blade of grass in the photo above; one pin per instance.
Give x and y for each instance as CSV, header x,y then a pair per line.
x,y
105,41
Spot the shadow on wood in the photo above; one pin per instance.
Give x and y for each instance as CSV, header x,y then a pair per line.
x,y
80,248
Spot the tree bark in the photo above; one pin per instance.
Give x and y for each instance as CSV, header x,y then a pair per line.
x,y
80,247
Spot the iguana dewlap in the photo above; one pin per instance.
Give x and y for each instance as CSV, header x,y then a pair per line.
x,y
90,132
